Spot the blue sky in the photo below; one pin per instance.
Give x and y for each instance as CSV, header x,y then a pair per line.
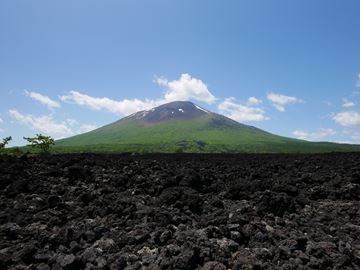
x,y
289,67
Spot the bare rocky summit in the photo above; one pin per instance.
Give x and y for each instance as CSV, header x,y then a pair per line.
x,y
177,110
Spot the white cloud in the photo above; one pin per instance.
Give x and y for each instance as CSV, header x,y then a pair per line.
x,y
47,125
279,101
43,99
314,136
230,108
348,104
71,122
123,107
254,101
358,81
185,88
354,135
1,121
44,124
1,130
347,119
86,128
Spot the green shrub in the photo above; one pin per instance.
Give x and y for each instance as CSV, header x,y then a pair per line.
x,y
5,141
41,142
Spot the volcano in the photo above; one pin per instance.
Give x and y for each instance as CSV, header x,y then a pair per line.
x,y
183,126
178,110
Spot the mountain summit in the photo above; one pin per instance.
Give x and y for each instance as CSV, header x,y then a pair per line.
x,y
177,110
185,126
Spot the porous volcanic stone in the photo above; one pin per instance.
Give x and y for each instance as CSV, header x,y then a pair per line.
x,y
209,212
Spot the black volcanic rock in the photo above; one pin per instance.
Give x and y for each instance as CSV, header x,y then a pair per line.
x,y
177,110
210,212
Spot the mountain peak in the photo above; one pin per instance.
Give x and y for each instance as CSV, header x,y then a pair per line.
x,y
186,126
176,110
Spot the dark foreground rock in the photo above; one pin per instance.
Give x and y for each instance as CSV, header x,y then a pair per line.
x,y
210,212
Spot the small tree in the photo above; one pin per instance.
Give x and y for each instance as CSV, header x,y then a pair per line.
x,y
5,141
41,142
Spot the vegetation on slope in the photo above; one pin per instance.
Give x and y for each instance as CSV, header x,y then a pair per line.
x,y
209,133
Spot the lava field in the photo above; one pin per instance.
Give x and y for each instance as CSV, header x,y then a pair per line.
x,y
210,212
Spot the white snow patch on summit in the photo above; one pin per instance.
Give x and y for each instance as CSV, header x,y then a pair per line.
x,y
131,115
181,110
202,109
141,114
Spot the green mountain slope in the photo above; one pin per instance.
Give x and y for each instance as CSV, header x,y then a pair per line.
x,y
169,128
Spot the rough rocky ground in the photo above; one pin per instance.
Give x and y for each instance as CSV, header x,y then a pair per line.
x,y
210,212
